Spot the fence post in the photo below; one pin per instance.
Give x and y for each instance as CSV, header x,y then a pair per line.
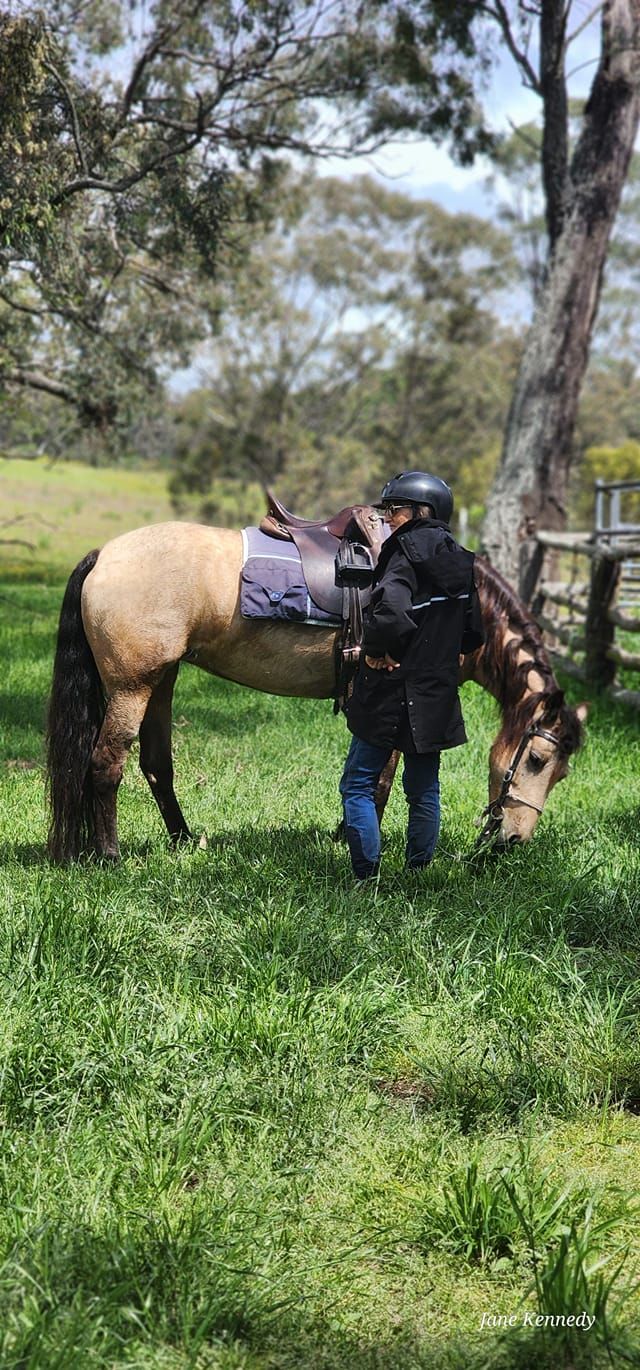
x,y
599,632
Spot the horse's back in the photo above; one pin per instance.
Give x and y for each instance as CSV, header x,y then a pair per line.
x,y
152,589
172,590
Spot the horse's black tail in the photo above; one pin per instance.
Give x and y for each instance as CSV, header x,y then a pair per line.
x,y
76,712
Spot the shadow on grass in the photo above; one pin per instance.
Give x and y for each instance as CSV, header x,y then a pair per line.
x,y
24,854
623,826
488,952
196,1288
26,708
543,877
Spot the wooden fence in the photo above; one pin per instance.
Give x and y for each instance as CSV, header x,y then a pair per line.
x,y
588,597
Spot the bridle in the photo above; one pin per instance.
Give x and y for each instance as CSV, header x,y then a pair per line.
x,y
494,811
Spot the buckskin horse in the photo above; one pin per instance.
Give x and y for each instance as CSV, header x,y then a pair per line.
x,y
168,593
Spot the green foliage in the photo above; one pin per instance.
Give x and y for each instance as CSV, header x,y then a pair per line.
x,y
579,1274
472,482
28,173
120,194
476,1221
610,406
606,463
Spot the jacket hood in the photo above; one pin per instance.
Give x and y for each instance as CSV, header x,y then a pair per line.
x,y
430,544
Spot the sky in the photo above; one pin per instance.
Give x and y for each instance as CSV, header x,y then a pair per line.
x,y
425,170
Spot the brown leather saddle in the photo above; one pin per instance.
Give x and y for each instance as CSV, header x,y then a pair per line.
x,y
318,541
338,556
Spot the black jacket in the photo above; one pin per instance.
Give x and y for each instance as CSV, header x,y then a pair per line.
x,y
424,612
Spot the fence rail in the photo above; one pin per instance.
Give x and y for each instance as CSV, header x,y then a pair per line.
x,y
588,585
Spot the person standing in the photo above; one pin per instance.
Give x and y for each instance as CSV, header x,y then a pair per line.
x,y
423,615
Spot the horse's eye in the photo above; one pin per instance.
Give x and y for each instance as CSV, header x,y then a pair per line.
x,y
536,762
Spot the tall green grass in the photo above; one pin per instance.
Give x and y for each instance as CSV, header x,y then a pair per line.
x,y
251,1117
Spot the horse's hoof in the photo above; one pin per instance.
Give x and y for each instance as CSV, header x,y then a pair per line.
x,y
203,843
180,840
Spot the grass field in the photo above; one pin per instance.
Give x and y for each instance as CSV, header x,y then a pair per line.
x,y
254,1118
51,513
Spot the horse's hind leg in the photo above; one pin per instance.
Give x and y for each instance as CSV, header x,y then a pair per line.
x,y
155,755
124,714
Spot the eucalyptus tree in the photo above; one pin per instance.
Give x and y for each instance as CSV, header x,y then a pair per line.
x,y
137,139
361,334
582,192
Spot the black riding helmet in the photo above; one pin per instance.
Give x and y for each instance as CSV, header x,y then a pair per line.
x,y
419,487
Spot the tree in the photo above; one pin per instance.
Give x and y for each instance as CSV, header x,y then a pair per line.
x,y
116,191
360,336
582,195
607,463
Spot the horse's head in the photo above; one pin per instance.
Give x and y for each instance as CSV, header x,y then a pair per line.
x,y
527,759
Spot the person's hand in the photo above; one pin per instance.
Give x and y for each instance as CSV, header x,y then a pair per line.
x,y
382,663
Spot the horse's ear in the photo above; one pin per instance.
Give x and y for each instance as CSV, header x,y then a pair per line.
x,y
582,710
553,703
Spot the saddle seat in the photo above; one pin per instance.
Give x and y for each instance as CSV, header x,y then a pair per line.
x,y
336,525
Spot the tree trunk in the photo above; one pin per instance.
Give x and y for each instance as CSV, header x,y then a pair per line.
x,y
531,482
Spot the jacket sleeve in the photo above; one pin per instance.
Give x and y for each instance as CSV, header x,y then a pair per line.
x,y
390,625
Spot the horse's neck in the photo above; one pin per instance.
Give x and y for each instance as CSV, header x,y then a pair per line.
x,y
474,666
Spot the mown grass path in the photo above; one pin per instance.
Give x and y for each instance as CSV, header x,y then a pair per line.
x,y
252,1118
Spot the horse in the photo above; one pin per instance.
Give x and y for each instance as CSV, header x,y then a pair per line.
x,y
169,593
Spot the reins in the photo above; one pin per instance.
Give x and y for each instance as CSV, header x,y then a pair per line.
x,y
494,811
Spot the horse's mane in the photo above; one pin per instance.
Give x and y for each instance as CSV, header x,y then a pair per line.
x,y
506,677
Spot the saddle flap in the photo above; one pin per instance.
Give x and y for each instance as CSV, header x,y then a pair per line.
x,y
317,552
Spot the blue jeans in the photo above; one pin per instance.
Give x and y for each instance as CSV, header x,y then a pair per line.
x,y
420,781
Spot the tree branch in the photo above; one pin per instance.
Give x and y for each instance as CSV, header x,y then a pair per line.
x,y
146,57
585,22
75,125
24,308
497,11
126,182
34,380
555,133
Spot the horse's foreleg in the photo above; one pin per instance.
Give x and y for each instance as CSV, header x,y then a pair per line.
x,y
155,755
385,781
124,715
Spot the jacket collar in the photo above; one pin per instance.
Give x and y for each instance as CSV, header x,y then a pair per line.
x,y
394,539
412,526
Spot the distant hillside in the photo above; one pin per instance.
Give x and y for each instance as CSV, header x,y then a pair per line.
x,y
52,513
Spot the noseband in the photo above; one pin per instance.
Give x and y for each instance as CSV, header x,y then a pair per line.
x,y
494,811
